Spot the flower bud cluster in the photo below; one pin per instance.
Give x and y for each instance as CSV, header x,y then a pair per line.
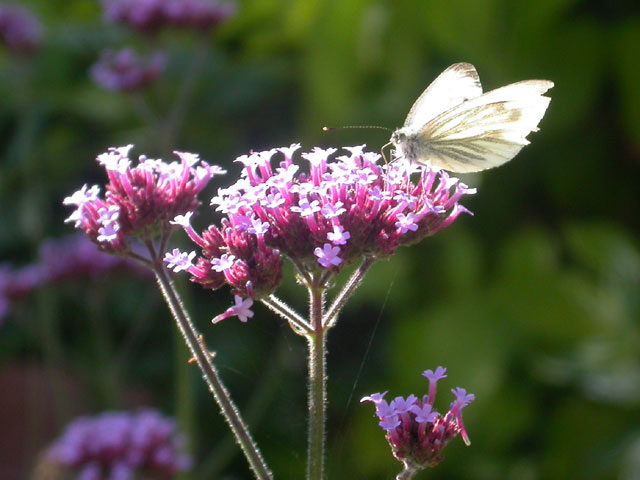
x,y
417,433
149,16
139,201
330,214
20,31
125,70
123,445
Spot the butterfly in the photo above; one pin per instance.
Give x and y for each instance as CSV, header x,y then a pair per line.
x,y
454,126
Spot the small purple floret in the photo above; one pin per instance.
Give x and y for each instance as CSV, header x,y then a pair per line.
x,y
179,261
328,255
241,309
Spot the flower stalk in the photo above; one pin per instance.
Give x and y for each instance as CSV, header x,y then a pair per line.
x,y
210,374
354,282
298,324
407,472
317,385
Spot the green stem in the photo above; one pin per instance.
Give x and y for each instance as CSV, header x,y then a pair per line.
x,y
317,385
353,283
210,374
298,324
407,472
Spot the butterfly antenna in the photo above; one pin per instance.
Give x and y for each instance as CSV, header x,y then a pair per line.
x,y
377,127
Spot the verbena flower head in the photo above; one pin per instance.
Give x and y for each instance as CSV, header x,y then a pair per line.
x,y
149,16
415,431
121,445
140,200
125,70
323,215
20,31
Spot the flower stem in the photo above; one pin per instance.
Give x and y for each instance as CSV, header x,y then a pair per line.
x,y
407,473
353,283
317,385
210,374
297,323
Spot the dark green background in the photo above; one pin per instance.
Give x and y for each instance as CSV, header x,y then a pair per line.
x,y
533,304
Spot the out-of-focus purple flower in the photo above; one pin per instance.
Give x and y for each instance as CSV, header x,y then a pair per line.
x,y
149,16
76,256
126,71
121,445
334,213
417,433
71,257
20,31
141,201
14,285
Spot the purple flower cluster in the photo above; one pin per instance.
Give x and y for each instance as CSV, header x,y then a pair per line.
x,y
125,70
121,445
417,433
331,214
140,201
58,260
20,31
149,16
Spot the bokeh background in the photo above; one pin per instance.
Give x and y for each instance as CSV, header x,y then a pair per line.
x,y
533,304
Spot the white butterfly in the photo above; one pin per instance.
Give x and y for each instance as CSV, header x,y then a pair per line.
x,y
454,126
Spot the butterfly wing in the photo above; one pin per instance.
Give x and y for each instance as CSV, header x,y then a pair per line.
x,y
486,131
458,83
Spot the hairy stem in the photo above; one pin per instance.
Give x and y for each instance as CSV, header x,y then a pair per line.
x,y
407,472
297,323
354,282
210,374
317,385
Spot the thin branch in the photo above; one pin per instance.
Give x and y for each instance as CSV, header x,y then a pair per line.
x,y
354,282
297,323
302,272
407,472
145,262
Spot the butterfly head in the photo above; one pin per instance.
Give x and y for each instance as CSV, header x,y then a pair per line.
x,y
405,143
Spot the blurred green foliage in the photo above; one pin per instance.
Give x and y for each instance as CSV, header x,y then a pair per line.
x,y
533,303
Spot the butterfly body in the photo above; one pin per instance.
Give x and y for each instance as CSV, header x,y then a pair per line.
x,y
455,127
